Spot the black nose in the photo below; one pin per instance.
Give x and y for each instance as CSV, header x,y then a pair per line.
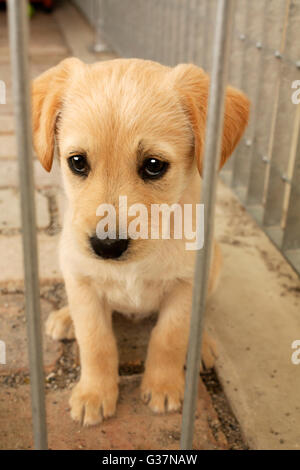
x,y
109,248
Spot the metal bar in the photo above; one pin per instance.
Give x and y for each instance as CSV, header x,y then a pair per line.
x,y
250,84
215,120
268,89
126,29
18,30
209,27
284,121
194,13
97,16
161,35
138,41
167,32
200,44
150,31
238,163
175,23
173,35
236,68
158,29
291,238
206,27
183,12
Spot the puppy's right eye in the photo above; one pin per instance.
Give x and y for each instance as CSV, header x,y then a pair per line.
x,y
79,165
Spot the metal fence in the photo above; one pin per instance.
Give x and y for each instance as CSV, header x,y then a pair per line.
x,y
264,62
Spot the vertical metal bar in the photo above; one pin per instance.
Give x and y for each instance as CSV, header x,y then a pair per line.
x,y
271,40
209,27
138,41
238,44
250,84
174,33
150,18
145,12
192,30
161,36
291,239
126,30
183,30
106,19
215,121
199,45
98,18
158,28
125,26
237,163
167,32
18,30
236,67
284,120
155,29
206,27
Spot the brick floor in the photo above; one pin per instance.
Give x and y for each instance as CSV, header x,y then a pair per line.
x,y
13,332
9,176
11,259
133,427
7,123
10,212
8,148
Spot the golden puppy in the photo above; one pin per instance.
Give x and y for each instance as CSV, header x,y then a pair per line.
x,y
129,128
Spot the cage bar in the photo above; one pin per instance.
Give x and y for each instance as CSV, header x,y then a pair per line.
x,y
291,239
284,122
250,82
236,69
18,31
215,119
274,19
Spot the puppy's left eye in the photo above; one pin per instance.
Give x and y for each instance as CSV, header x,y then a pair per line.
x,y
153,168
79,165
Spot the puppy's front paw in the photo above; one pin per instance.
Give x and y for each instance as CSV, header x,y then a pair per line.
x,y
59,325
91,404
162,390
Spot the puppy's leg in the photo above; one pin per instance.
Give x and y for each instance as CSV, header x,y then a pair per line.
x,y
209,351
59,325
163,381
95,395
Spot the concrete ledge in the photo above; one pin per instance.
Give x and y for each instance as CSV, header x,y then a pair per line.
x,y
255,318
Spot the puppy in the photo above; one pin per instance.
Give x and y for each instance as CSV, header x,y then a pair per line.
x,y
129,128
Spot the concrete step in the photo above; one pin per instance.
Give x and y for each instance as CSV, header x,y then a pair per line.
x,y
254,316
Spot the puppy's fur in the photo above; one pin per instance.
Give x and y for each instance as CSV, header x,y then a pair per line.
x,y
114,112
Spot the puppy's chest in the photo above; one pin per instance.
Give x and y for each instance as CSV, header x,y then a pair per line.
x,y
134,297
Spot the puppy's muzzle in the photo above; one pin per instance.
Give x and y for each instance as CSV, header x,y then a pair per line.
x,y
109,248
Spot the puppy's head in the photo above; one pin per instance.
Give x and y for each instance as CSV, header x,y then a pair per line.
x,y
129,128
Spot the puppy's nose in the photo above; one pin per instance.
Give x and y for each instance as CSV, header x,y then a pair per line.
x,y
109,248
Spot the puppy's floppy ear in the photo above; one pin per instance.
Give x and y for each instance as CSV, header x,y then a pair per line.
x,y
192,84
47,96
